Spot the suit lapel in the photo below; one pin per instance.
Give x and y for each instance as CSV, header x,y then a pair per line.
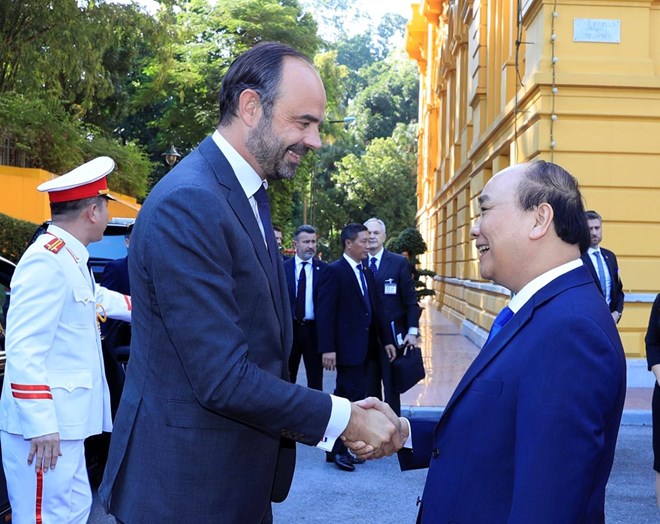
x,y
316,271
609,260
490,351
382,269
291,280
350,269
575,277
239,203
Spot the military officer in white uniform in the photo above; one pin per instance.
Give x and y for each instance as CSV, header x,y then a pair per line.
x,y
55,393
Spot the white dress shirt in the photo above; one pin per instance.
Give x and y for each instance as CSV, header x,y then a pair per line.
x,y
608,277
247,177
357,268
309,276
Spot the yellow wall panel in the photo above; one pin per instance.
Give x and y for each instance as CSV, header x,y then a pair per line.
x,y
20,199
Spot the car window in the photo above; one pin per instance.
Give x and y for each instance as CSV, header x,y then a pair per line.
x,y
110,247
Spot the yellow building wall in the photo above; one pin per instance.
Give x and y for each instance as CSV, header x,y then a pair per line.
x,y
591,106
20,199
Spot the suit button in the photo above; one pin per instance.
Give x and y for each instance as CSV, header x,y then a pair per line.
x,y
435,453
419,501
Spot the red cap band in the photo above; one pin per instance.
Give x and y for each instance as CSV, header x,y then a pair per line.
x,y
96,188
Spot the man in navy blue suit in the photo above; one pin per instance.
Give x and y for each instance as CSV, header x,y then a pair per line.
x,y
530,431
208,411
604,267
349,323
115,273
400,309
303,272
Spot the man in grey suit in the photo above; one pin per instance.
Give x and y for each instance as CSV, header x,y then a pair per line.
x,y
207,422
396,290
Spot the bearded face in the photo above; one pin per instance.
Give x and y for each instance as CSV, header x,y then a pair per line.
x,y
277,159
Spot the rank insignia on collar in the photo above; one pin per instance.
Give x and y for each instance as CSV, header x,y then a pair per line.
x,y
54,245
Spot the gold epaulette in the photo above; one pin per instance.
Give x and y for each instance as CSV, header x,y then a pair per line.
x,y
55,245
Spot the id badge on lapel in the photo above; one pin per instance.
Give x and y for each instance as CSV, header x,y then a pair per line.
x,y
390,287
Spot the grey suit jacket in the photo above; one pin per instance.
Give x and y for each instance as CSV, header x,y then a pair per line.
x,y
207,399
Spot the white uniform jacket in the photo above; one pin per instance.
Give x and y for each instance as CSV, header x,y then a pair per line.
x,y
54,376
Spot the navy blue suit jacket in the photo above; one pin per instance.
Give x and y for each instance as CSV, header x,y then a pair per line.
x,y
617,295
530,432
207,397
115,276
290,272
402,307
343,319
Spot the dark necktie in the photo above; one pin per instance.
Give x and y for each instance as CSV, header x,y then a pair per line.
x,y
302,291
365,290
372,266
601,272
500,320
264,213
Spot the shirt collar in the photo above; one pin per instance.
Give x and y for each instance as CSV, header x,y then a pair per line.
x,y
248,178
352,262
527,292
593,250
377,256
300,260
75,246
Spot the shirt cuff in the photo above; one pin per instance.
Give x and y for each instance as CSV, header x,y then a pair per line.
x,y
408,442
339,417
413,331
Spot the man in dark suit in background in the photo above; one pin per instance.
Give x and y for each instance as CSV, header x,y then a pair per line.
x,y
604,267
349,324
399,305
530,431
303,272
208,412
115,273
116,334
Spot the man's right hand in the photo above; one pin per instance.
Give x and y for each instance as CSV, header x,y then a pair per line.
x,y
375,432
46,449
330,361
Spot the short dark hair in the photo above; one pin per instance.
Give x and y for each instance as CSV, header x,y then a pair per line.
x,y
259,69
73,208
592,215
277,228
350,232
545,182
305,228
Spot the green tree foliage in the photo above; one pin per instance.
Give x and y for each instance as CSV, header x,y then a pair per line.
x,y
84,78
390,96
15,234
65,70
410,240
42,130
379,183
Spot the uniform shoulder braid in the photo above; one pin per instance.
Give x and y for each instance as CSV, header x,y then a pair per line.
x,y
54,245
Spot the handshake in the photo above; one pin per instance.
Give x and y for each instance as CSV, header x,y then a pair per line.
x,y
374,431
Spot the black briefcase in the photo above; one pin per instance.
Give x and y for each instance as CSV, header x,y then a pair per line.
x,y
407,368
